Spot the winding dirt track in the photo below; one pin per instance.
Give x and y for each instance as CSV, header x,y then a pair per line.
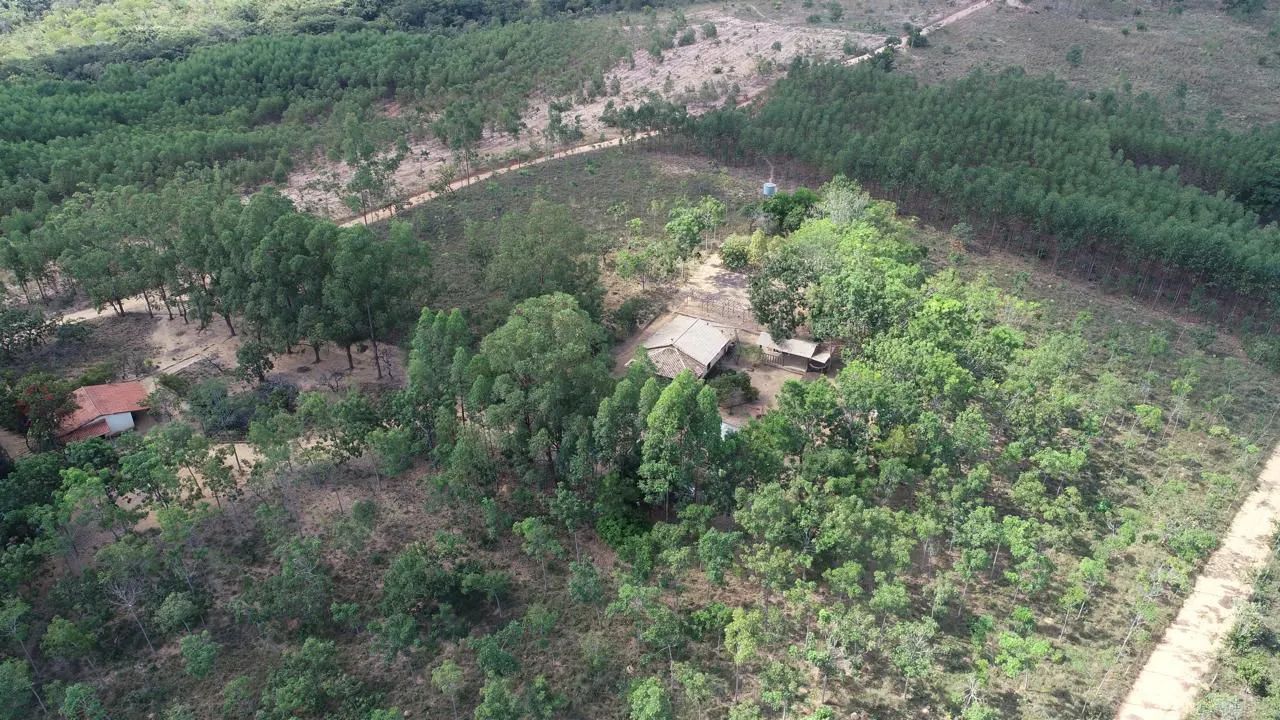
x,y
1181,665
415,200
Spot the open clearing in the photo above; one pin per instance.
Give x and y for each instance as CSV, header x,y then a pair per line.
x,y
142,346
1192,56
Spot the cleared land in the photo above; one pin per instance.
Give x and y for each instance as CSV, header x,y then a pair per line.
x,y
749,51
1192,56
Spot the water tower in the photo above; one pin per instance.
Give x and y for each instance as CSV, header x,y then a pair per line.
x,y
769,189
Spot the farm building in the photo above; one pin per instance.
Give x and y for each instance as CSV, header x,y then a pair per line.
x,y
688,343
103,411
797,355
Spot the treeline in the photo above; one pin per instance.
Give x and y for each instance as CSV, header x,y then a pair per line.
x,y
251,106
1028,157
195,250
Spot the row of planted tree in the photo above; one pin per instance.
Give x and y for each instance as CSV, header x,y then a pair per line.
x,y
1030,160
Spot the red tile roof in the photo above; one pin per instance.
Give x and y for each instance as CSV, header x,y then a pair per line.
x,y
98,401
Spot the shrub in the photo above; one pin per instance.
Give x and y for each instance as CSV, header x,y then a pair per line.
x,y
733,388
708,29
736,252
632,314
688,37
98,374
1255,671
176,384
1075,56
73,332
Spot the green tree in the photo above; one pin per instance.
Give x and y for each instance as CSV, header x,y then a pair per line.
x,y
742,638
447,679
254,360
649,700
15,623
539,543
309,681
498,701
80,702
547,369
66,640
43,402
199,653
545,252
681,441
16,690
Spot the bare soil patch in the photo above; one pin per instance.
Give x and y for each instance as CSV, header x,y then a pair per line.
x,y
742,54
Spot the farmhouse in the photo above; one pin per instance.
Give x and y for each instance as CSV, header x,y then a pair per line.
x,y
688,343
103,411
792,354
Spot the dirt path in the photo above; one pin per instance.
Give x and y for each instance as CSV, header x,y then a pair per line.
x,y
1181,665
420,198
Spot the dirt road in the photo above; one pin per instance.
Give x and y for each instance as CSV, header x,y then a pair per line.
x,y
420,198
1179,669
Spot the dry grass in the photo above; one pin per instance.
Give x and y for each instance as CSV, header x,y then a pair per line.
x,y
1196,62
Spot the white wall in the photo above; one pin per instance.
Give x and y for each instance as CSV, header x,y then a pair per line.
x,y
119,422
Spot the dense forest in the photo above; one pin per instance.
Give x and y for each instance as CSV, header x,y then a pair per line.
x,y
946,522
1030,161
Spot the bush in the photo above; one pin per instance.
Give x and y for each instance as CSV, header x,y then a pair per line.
x,y
615,528
708,30
220,411
73,332
688,37
1264,350
632,314
1254,670
98,374
176,384
733,388
735,251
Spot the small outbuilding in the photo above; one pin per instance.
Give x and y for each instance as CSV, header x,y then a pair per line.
x,y
796,355
688,343
103,411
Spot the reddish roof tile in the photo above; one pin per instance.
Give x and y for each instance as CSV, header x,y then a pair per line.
x,y
97,401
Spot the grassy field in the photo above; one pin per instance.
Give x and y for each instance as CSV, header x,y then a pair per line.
x,y
1192,473
1192,56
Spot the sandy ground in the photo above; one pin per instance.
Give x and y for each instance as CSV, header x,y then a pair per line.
x,y
175,346
717,294
1181,666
